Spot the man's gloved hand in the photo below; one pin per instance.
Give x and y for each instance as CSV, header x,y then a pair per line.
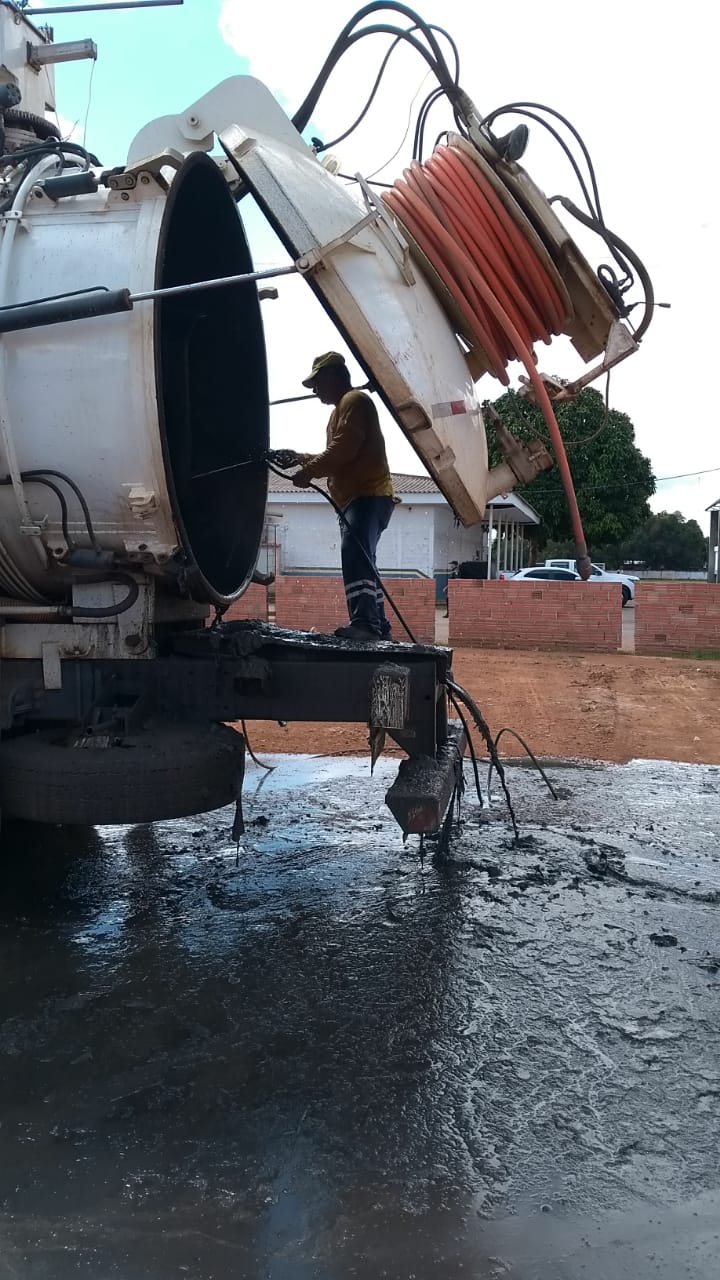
x,y
284,458
301,479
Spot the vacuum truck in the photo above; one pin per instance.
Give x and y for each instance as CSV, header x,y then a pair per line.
x,y
133,476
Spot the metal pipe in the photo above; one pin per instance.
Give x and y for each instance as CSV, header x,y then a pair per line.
x,y
196,286
98,301
95,8
35,613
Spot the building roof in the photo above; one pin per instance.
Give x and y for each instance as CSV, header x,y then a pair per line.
x,y
402,484
714,506
505,506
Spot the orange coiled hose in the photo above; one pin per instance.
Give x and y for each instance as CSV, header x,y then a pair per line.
x,y
503,289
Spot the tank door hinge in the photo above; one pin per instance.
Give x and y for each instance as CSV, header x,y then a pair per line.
x,y
126,177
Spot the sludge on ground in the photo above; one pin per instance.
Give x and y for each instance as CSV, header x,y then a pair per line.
x,y
331,1061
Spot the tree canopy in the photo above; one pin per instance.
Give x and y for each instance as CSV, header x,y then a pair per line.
x,y
668,541
613,479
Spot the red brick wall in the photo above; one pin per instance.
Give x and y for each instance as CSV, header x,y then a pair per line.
x,y
677,617
536,615
253,603
317,602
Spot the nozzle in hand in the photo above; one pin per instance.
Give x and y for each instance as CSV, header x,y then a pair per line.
x,y
284,458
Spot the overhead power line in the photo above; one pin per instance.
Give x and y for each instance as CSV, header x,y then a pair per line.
x,y
685,475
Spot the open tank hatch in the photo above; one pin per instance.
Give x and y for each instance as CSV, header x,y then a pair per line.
x,y
211,374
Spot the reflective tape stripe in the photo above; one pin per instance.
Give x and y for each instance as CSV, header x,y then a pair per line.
x,y
361,591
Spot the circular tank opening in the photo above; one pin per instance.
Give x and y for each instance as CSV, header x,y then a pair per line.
x,y
212,384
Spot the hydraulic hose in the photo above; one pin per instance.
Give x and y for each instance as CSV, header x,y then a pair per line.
x,y
615,241
507,295
48,484
111,610
60,475
345,40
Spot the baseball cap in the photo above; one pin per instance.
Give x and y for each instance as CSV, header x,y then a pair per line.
x,y
325,361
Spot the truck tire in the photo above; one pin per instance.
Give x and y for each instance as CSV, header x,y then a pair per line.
x,y
626,596
167,771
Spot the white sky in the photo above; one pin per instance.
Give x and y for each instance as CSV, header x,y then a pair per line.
x,y
637,81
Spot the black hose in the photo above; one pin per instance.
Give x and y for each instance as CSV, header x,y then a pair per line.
x,y
382,28
125,579
345,40
530,752
57,148
471,746
463,696
524,109
421,122
593,204
30,156
60,475
639,266
36,479
111,610
326,146
268,767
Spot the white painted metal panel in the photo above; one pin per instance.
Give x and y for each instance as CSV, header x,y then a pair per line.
x,y
384,308
81,398
37,85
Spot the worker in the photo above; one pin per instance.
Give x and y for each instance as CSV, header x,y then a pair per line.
x,y
359,482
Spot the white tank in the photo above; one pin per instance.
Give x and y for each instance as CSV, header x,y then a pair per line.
x,y
153,413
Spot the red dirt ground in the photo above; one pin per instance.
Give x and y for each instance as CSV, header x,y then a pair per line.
x,y
603,707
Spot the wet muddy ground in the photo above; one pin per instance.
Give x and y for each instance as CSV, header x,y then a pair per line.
x,y
332,1061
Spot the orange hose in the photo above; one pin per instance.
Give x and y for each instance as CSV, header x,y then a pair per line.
x,y
503,289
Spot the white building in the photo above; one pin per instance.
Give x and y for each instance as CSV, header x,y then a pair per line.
x,y
423,536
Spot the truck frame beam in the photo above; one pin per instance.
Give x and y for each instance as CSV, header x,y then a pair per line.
x,y
245,671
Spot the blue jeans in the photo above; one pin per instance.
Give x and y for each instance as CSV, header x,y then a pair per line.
x,y
364,520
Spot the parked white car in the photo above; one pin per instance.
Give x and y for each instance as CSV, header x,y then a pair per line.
x,y
601,575
554,573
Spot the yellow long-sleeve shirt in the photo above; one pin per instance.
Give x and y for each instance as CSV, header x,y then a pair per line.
x,y
354,460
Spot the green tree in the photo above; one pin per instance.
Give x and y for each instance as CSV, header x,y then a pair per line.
x,y
668,541
613,479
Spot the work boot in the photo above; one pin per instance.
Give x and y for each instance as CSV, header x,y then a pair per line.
x,y
356,631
